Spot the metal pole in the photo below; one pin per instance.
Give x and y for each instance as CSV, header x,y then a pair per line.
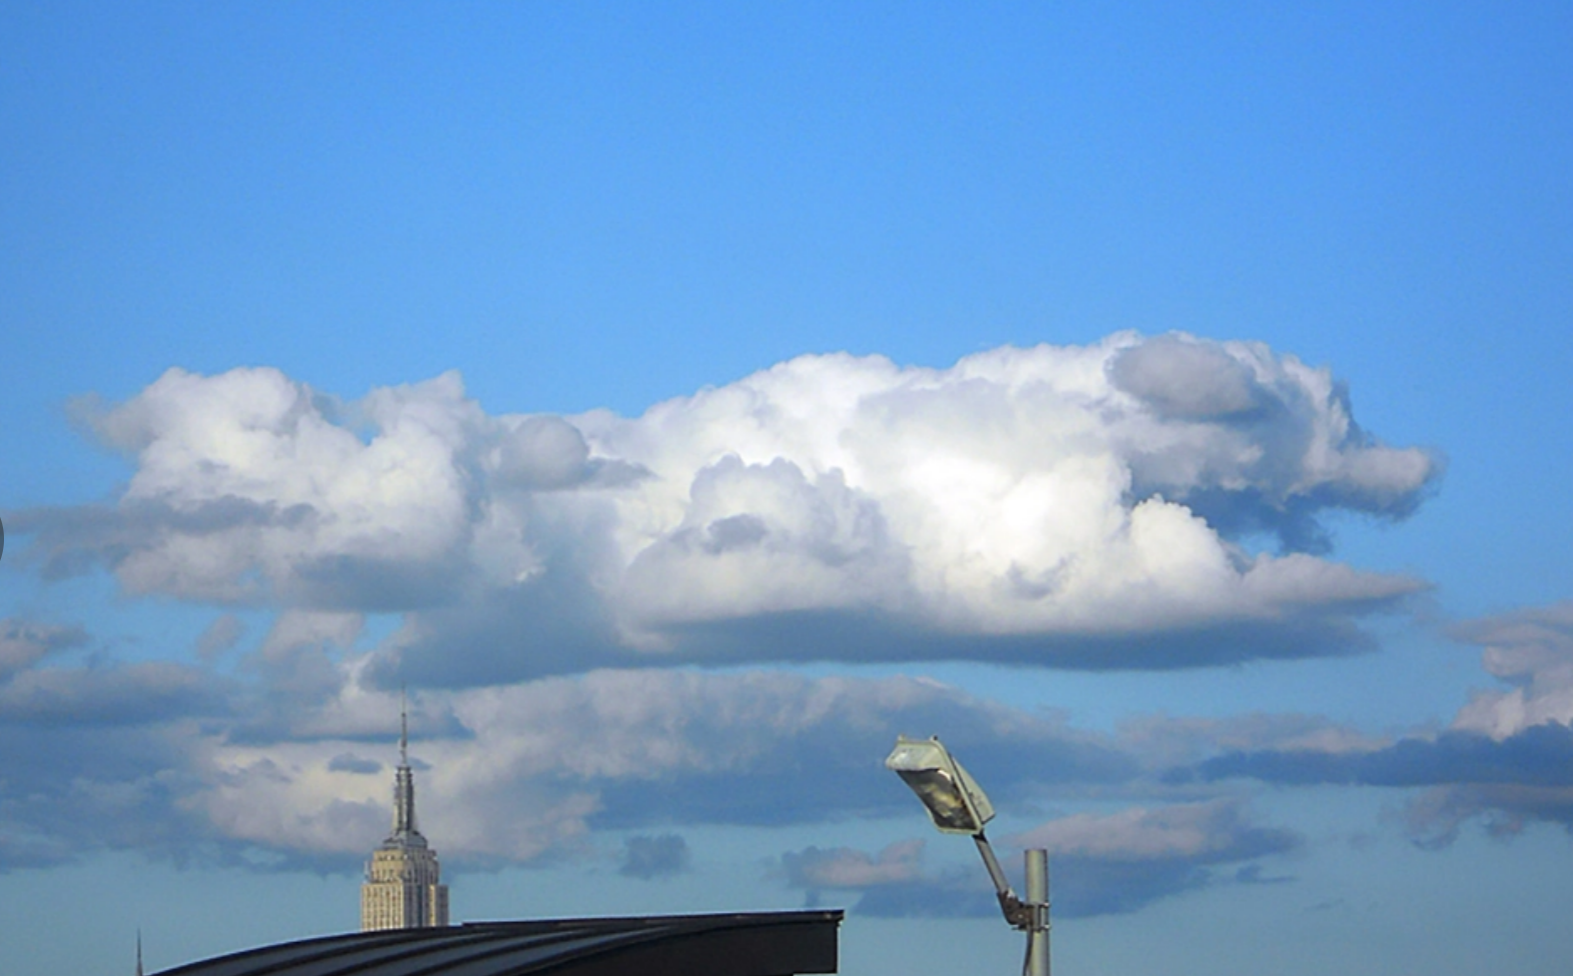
x,y
1038,905
992,863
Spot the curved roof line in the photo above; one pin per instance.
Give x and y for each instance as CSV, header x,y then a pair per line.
x,y
745,944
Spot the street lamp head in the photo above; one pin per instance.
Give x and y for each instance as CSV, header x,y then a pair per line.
x,y
957,805
954,800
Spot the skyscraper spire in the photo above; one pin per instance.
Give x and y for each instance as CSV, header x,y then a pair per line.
x,y
403,886
404,784
139,952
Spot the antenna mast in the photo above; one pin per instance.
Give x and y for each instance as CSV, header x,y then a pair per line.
x,y
404,728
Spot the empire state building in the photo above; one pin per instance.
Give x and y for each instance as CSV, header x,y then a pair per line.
x,y
403,889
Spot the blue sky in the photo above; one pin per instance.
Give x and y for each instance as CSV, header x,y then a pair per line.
x,y
1166,407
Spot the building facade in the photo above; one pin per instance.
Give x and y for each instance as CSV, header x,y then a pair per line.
x,y
403,888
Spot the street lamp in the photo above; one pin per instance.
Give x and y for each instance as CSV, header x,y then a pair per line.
x,y
957,805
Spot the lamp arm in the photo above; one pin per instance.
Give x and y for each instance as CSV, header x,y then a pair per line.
x,y
1018,914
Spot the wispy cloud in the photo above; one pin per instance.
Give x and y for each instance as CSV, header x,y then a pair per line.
x,y
843,867
1507,756
24,643
658,856
1101,864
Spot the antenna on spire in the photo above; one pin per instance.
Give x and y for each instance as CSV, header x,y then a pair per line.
x,y
139,952
404,728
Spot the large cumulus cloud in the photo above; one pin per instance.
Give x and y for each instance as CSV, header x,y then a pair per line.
x,y
1092,506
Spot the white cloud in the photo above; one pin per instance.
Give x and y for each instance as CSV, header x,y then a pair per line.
x,y
1167,742
1531,650
1202,832
24,643
514,772
219,636
1184,378
654,857
1505,757
510,772
844,867
297,629
1102,864
107,695
1068,494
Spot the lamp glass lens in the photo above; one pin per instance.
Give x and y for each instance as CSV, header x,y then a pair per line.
x,y
942,795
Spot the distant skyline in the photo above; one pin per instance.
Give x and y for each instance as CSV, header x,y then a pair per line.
x,y
1166,407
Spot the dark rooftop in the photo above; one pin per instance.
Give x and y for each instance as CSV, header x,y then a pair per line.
x,y
748,944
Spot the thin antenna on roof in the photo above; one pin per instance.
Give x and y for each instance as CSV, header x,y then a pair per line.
x,y
139,952
404,728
